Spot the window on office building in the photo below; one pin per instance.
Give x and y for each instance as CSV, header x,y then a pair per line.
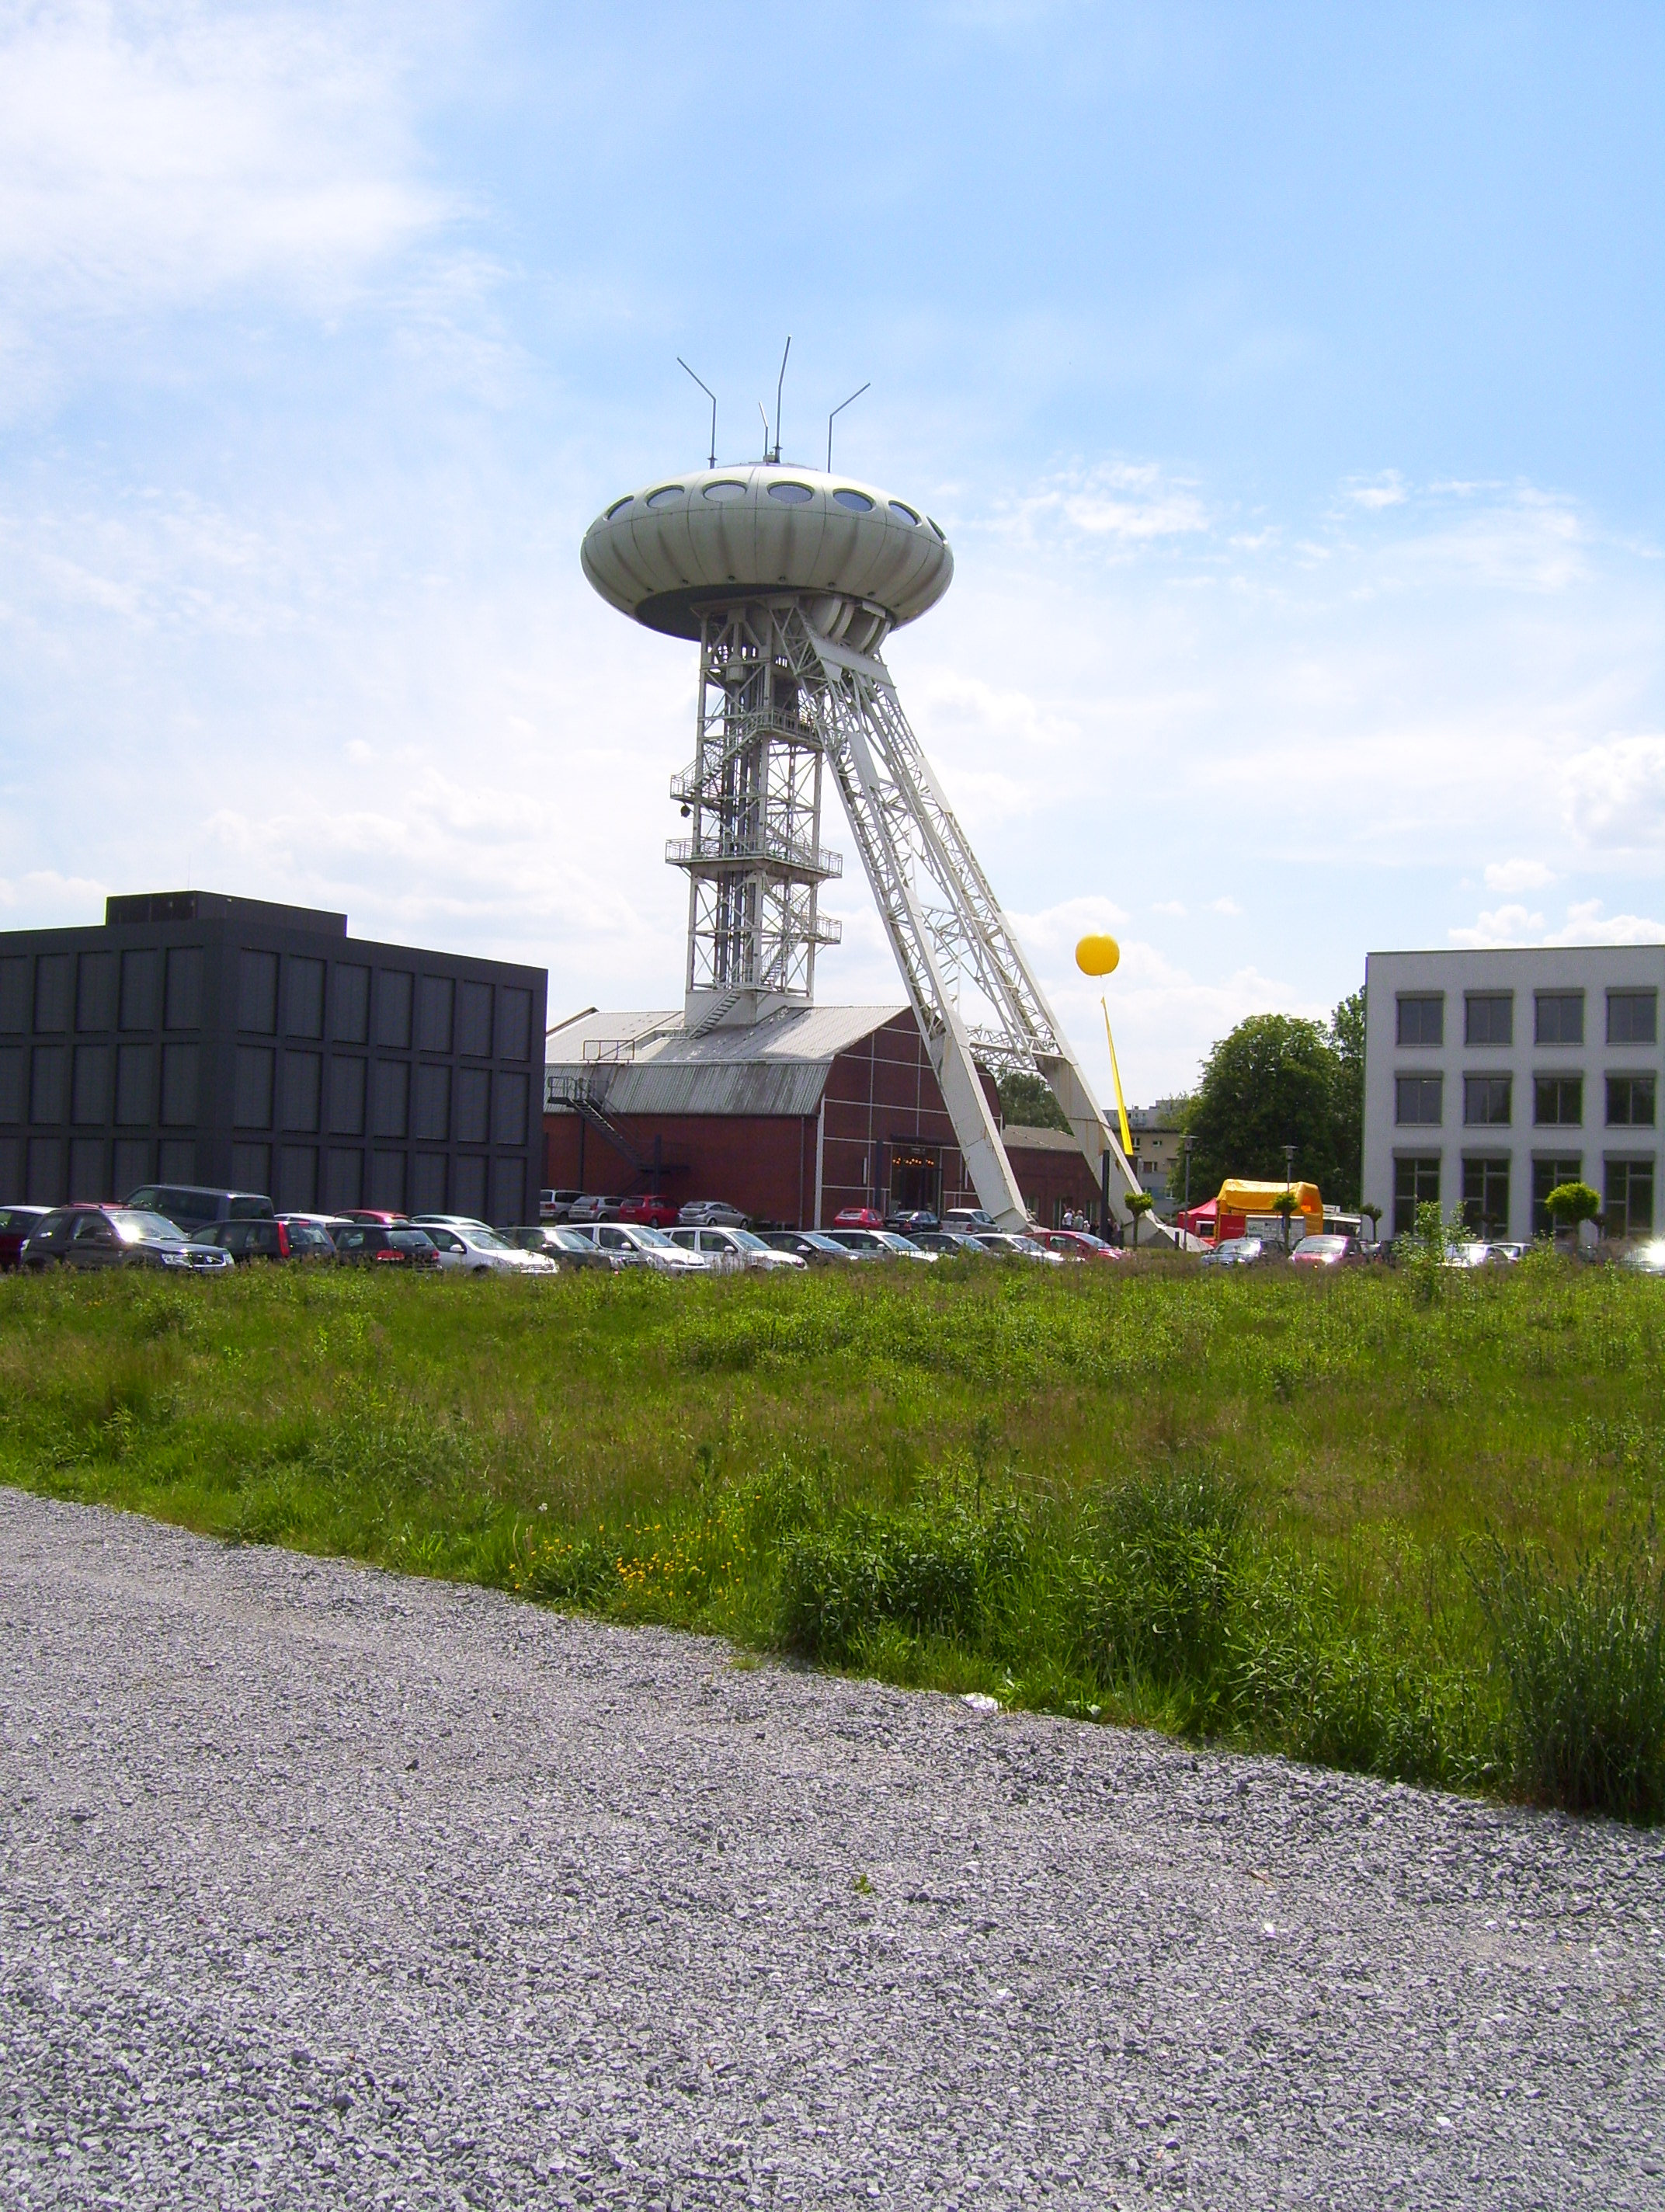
x,y
1416,1182
1549,1175
1422,1018
1560,1018
1633,1017
1558,1101
1629,1207
1630,1102
1417,1101
1487,1100
1488,1018
1486,1197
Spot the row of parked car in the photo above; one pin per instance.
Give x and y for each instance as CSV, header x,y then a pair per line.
x,y
193,1227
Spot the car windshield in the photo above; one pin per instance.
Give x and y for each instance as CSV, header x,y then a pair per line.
x,y
567,1240
136,1227
1316,1246
748,1240
486,1240
654,1237
1028,1244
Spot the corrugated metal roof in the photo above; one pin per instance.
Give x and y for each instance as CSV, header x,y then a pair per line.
x,y
1018,1137
669,1086
813,1034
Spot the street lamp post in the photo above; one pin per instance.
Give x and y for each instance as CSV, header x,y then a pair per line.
x,y
1190,1141
1289,1188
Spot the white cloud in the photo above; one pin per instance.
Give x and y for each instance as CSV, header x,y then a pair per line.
x,y
1174,907
1374,492
1227,905
157,154
1504,877
1585,924
1124,503
1612,794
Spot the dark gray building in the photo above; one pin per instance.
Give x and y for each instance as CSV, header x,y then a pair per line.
x,y
196,1038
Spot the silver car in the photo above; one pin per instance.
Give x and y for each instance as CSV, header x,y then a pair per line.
x,y
652,1248
710,1213
732,1249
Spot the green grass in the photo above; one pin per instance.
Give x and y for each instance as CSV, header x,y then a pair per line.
x,y
1406,1528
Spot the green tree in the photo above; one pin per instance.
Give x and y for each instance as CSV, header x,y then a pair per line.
x,y
1570,1203
1139,1204
1346,1043
1270,1083
1027,1102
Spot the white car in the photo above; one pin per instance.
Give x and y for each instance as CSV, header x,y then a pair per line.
x,y
730,1250
652,1248
472,1250
710,1213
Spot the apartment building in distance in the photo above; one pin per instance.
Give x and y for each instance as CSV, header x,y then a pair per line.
x,y
1491,1076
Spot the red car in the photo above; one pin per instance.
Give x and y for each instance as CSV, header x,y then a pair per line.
x,y
647,1207
16,1223
1076,1244
858,1217
373,1217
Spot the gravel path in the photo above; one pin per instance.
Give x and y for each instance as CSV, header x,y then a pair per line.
x,y
319,1888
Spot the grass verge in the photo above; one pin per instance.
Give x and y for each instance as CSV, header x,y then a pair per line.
x,y
1414,1536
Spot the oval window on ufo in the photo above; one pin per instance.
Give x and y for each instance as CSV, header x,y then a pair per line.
x,y
857,501
902,514
619,505
727,489
664,496
790,495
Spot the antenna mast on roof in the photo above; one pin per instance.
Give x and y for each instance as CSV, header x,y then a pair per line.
x,y
712,396
779,388
839,409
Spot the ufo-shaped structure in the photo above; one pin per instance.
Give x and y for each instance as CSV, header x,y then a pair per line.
x,y
790,581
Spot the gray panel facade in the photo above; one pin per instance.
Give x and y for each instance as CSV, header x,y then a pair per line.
x,y
197,1038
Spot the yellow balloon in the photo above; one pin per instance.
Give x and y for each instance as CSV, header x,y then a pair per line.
x,y
1098,956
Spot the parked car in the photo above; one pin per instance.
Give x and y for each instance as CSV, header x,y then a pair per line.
x,y
1235,1252
16,1223
878,1245
569,1247
452,1221
473,1250
729,1249
588,1206
812,1246
710,1213
1476,1252
647,1205
1646,1259
189,1205
969,1219
947,1243
1013,1244
1077,1245
375,1217
921,1216
858,1217
553,1205
364,1243
652,1247
1328,1251
282,1239
87,1236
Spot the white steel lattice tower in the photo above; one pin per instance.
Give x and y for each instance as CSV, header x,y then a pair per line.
x,y
790,581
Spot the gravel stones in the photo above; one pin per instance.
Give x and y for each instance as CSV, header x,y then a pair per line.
x,y
323,1887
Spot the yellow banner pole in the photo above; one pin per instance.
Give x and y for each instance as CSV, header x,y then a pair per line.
x,y
1120,1102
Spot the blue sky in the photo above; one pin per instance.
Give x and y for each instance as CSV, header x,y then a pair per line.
x,y
1290,383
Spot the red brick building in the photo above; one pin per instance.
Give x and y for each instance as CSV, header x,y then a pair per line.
x,y
816,1109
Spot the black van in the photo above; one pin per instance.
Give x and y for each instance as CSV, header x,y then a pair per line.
x,y
190,1205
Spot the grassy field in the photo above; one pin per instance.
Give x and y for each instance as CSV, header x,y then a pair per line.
x,y
1403,1523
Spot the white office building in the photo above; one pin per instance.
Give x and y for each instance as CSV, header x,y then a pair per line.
x,y
1491,1076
